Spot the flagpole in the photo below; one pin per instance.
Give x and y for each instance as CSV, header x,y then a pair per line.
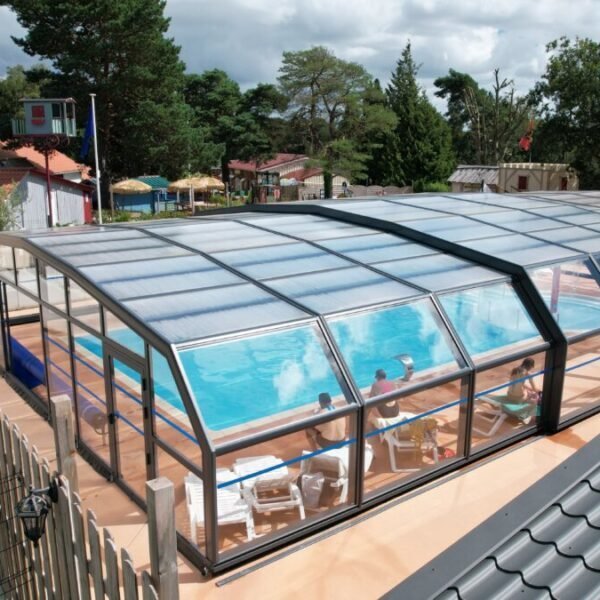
x,y
98,193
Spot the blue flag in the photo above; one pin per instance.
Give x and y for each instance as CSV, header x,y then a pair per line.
x,y
90,131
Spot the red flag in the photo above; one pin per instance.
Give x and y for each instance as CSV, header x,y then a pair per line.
x,y
525,141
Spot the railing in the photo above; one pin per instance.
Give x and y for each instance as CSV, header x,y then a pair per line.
x,y
59,127
67,563
18,126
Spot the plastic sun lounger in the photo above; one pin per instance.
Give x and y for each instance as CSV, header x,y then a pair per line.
x,y
401,438
231,507
270,491
335,463
495,410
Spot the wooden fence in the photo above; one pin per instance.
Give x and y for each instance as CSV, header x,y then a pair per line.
x,y
74,559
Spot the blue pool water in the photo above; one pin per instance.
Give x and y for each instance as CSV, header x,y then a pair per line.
x,y
240,381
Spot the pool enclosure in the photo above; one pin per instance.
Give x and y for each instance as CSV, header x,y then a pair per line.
x,y
287,366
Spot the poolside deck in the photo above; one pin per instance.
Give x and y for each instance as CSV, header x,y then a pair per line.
x,y
362,558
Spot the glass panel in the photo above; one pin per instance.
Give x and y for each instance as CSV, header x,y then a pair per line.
x,y
581,389
507,399
491,321
20,305
129,426
26,271
189,497
415,434
171,422
7,265
90,392
26,349
83,307
402,342
56,333
284,482
115,329
572,292
287,370
52,286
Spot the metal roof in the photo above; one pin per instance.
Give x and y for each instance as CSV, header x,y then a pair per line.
x,y
156,182
475,174
543,544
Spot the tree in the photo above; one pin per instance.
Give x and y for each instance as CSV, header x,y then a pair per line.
x,y
420,146
568,98
453,88
119,51
486,125
235,123
328,96
18,83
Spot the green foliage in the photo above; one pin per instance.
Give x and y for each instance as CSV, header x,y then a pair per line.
x,y
235,125
9,205
431,186
486,126
329,100
420,146
567,98
119,51
17,84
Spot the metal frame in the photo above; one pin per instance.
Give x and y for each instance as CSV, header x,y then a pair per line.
x,y
555,346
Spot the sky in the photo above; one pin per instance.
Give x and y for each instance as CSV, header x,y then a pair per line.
x,y
246,38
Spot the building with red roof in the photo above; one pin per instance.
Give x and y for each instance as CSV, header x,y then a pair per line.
x,y
284,177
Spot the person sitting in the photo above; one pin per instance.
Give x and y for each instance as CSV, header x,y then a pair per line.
x,y
520,390
328,433
383,386
527,366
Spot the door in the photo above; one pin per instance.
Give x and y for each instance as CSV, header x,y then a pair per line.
x,y
128,418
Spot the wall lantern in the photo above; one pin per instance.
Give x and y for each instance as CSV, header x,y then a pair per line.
x,y
34,508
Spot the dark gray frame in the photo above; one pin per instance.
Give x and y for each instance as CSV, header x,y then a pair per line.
x,y
555,345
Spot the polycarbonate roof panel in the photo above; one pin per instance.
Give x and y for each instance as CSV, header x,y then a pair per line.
x,y
566,235
520,249
439,272
370,249
446,204
387,211
205,313
589,246
216,236
265,263
520,222
308,227
66,236
160,276
342,289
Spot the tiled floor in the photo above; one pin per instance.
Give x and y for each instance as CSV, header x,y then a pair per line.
x,y
361,561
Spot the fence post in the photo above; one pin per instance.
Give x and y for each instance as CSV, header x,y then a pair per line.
x,y
64,439
160,498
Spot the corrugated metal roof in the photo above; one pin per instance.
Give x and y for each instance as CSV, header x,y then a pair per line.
x,y
475,174
156,182
554,554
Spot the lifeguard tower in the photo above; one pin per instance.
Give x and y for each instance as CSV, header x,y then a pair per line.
x,y
47,124
46,117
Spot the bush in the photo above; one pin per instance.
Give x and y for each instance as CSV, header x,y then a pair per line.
x,y
431,186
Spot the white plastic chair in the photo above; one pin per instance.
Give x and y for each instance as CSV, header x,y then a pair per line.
x,y
270,491
335,465
231,507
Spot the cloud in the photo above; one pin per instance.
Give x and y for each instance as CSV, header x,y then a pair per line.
x,y
246,38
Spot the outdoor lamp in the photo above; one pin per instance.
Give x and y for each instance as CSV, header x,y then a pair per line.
x,y
33,510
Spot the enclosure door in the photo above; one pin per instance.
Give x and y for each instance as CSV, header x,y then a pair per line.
x,y
129,423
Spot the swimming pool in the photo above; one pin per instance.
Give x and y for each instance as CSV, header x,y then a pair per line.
x,y
240,381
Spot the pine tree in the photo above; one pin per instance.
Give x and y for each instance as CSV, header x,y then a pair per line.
x,y
420,147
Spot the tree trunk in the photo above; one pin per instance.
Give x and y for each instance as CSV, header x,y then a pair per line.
x,y
328,184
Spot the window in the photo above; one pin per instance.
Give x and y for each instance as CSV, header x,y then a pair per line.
x,y
522,185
